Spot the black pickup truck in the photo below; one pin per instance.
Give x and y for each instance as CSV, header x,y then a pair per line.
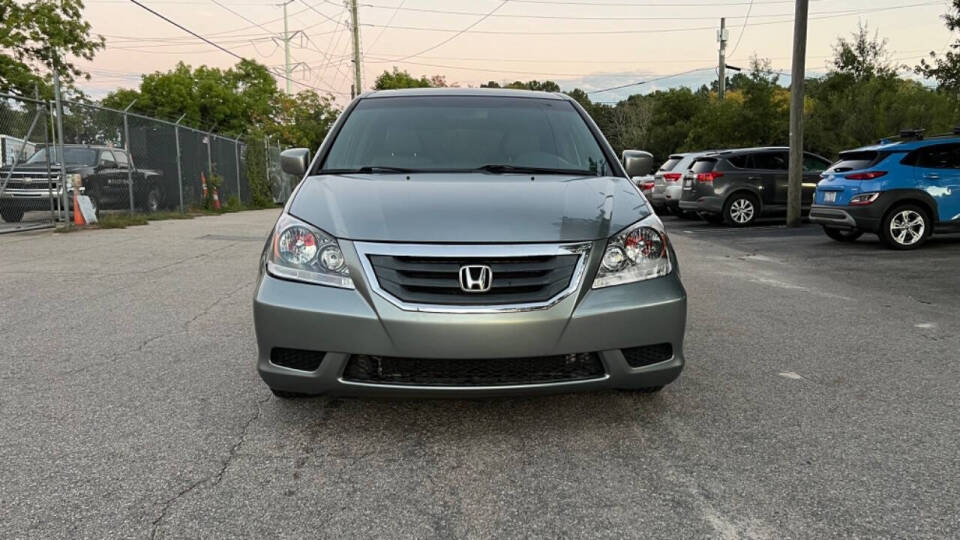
x,y
104,172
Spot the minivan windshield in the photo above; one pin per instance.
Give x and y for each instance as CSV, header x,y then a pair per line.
x,y
465,133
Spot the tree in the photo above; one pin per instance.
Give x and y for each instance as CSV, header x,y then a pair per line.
x,y
390,80
230,100
303,120
862,57
42,35
946,70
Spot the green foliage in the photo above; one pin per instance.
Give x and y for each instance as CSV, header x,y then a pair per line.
x,y
302,120
39,35
391,80
261,195
946,70
230,100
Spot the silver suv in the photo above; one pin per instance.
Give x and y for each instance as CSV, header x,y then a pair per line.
x,y
467,242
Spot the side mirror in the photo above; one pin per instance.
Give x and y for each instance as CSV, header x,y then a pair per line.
x,y
295,161
637,162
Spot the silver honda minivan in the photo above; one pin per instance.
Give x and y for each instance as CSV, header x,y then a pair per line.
x,y
466,242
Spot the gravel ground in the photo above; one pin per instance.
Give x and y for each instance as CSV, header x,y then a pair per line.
x,y
820,400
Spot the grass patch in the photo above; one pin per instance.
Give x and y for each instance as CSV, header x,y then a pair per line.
x,y
120,221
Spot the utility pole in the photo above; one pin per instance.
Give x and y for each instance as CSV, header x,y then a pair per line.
x,y
795,182
286,47
286,39
722,72
356,47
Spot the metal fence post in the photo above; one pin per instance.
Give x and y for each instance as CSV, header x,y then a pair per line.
x,y
176,136
210,153
59,138
126,144
236,149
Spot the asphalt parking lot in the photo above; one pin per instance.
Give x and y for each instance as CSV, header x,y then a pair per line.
x,y
820,399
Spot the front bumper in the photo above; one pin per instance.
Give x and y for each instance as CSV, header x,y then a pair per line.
x,y
31,198
343,322
865,218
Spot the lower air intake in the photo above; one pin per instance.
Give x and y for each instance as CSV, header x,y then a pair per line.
x,y
473,372
649,354
296,358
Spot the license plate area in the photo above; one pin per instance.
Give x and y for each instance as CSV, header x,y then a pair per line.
x,y
830,196
687,184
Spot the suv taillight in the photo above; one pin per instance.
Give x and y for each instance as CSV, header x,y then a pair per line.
x,y
708,176
672,176
865,175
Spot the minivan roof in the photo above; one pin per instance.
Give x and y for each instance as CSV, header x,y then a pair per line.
x,y
465,92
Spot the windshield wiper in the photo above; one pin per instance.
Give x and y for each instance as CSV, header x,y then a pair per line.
x,y
501,169
369,169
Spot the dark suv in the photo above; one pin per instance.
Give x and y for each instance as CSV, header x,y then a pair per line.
x,y
739,186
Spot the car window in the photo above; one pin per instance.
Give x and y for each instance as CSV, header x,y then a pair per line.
x,y
854,161
939,156
107,159
445,133
671,163
703,165
121,158
771,161
814,164
740,162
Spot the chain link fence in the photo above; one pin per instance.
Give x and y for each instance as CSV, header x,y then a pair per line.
x,y
124,163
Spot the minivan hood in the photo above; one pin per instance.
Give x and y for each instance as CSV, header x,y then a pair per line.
x,y
468,207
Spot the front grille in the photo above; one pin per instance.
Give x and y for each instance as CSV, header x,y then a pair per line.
x,y
20,180
473,372
296,358
435,280
648,354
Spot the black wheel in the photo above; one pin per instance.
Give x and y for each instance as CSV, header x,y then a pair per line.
x,y
715,219
905,227
154,201
11,215
843,235
741,209
283,394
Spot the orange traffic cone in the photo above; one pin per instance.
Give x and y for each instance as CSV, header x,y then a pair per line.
x,y
203,182
77,213
216,200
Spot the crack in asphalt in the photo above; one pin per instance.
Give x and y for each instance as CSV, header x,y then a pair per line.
x,y
185,328
214,479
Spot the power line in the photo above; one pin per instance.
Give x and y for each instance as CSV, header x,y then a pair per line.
x,y
198,36
823,15
650,80
389,21
458,34
743,29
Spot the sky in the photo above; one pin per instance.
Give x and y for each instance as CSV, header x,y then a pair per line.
x,y
590,44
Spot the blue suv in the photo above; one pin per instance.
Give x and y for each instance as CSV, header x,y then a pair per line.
x,y
901,191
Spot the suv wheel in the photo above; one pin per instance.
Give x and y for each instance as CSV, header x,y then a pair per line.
x,y
905,227
740,210
11,215
841,235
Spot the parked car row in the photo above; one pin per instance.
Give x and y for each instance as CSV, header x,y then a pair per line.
x,y
902,190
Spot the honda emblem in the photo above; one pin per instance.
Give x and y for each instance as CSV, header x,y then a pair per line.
x,y
476,278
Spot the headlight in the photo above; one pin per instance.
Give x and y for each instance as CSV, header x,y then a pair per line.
x,y
636,254
302,252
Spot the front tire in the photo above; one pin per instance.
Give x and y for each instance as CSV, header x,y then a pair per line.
x,y
741,209
841,235
905,227
12,215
